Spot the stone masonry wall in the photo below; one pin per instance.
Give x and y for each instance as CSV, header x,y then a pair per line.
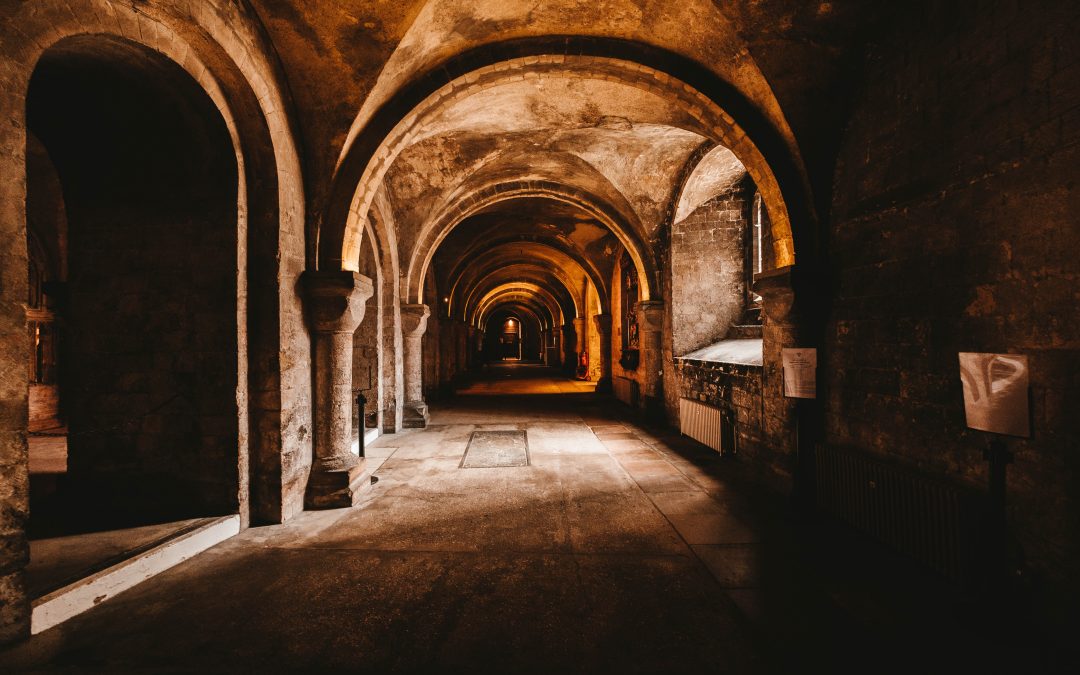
x,y
705,283
151,366
955,229
734,389
708,269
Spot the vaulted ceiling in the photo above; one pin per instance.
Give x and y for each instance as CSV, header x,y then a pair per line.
x,y
597,162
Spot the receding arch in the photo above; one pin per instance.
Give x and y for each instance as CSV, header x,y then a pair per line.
x,y
724,114
541,311
498,273
439,229
529,291
549,249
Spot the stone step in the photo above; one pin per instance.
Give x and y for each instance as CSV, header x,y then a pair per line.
x,y
745,332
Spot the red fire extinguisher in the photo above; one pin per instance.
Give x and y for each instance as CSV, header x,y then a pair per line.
x,y
583,365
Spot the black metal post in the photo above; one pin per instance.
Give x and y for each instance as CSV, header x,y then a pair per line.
x,y
361,403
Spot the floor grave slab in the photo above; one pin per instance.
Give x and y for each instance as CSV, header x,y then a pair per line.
x,y
491,449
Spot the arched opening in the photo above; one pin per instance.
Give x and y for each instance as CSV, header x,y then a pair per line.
x,y
369,356
707,106
142,287
507,337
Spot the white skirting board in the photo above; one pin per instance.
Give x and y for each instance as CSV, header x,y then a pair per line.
x,y
76,598
371,435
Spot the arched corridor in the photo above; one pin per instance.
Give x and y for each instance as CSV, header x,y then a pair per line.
x,y
494,334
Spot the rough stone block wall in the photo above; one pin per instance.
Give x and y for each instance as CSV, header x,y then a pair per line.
x,y
151,355
708,269
761,439
705,281
955,229
734,389
153,364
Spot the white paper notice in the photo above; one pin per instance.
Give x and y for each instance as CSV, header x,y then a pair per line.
x,y
800,373
996,392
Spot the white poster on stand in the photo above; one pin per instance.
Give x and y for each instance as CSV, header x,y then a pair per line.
x,y
800,373
996,392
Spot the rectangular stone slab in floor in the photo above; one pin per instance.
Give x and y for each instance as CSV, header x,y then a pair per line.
x,y
489,449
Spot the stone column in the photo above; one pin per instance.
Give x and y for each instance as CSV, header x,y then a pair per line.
x,y
580,345
335,302
603,329
414,320
650,336
784,419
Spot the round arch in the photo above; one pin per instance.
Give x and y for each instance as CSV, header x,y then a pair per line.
x,y
555,283
530,292
723,113
559,254
438,229
242,83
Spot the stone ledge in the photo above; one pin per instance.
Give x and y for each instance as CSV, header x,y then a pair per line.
x,y
742,352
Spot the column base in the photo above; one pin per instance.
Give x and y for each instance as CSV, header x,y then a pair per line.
x,y
337,489
415,415
603,385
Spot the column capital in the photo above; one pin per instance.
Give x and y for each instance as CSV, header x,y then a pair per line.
x,y
414,319
777,293
650,315
603,322
336,299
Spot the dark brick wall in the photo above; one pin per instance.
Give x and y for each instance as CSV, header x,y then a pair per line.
x,y
954,229
149,359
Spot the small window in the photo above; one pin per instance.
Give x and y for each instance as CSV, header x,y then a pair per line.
x,y
758,223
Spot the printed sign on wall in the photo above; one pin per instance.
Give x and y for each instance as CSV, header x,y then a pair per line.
x,y
800,373
996,392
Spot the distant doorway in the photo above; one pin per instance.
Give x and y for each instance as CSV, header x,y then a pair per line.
x,y
510,339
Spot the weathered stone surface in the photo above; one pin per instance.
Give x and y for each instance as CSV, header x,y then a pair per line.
x,y
958,233
912,166
337,302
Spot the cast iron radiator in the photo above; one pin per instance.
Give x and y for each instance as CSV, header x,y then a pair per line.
x,y
935,522
625,389
705,424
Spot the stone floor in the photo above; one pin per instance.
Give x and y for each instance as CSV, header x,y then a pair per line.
x,y
620,548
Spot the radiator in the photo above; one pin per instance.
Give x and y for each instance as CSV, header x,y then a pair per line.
x,y
928,519
705,424
626,390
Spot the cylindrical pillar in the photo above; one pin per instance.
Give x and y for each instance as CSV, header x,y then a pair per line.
x,y
335,303
413,324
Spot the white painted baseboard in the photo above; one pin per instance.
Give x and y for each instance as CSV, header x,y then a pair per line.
x,y
76,598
